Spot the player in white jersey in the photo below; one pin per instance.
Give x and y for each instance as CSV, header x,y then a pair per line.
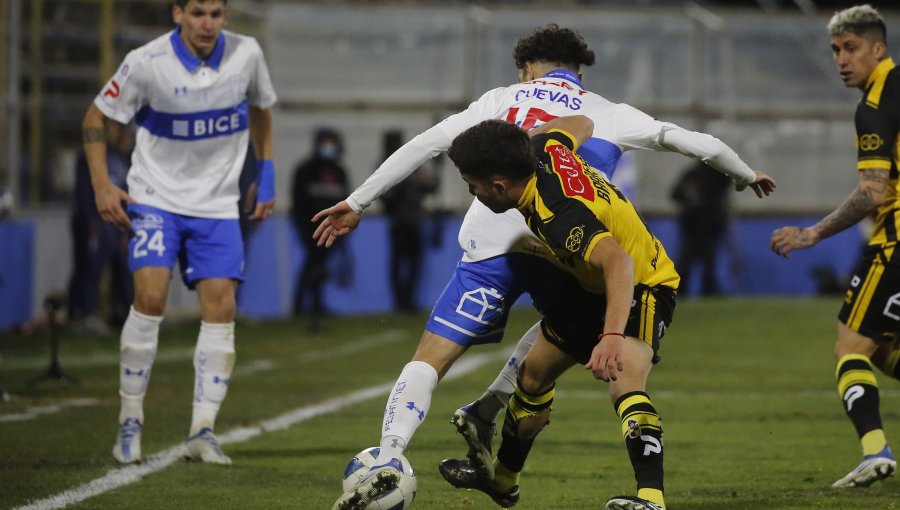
x,y
197,95
498,263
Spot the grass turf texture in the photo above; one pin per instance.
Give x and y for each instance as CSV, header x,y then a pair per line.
x,y
745,389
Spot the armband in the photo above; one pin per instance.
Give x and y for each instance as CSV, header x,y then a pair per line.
x,y
265,181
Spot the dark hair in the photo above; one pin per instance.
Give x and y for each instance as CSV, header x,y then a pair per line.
x,y
553,44
183,3
492,148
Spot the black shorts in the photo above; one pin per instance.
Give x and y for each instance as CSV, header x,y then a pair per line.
x,y
872,303
575,328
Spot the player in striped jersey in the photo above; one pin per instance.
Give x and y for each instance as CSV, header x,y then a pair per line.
x,y
590,226
197,94
498,248
870,316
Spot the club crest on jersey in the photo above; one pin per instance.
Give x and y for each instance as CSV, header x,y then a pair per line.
x,y
576,235
571,173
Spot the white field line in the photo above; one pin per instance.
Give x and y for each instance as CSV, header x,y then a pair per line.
x,y
377,340
120,477
35,411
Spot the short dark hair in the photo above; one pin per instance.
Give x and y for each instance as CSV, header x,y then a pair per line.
x,y
183,3
493,148
553,44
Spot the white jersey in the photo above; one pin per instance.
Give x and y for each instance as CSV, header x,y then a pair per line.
x,y
192,118
617,128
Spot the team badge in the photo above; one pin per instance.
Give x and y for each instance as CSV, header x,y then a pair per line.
x,y
576,235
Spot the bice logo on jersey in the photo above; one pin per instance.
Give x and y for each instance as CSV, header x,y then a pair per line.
x,y
571,174
207,127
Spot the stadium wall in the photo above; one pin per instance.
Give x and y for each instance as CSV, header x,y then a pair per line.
x,y
360,284
35,262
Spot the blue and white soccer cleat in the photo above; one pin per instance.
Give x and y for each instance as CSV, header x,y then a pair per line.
x,y
478,434
380,480
631,503
204,446
127,449
870,470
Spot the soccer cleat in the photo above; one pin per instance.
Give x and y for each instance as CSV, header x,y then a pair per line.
x,y
478,434
870,470
462,475
127,449
204,446
379,480
631,503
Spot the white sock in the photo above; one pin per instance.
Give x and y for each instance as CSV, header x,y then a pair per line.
x,y
406,408
497,396
137,350
213,363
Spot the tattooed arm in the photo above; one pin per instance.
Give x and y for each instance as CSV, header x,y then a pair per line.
x,y
863,200
108,196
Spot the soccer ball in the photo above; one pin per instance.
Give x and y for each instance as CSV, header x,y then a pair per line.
x,y
400,498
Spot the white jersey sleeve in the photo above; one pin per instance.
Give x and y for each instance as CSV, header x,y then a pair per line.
x,y
637,130
423,147
710,149
260,92
123,95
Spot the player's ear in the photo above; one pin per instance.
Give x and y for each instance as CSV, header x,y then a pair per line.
x,y
177,13
880,50
499,185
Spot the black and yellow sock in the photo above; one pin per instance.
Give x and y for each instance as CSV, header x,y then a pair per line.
x,y
858,389
642,430
891,366
526,415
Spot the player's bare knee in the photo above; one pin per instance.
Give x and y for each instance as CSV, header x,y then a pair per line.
x,y
531,382
150,302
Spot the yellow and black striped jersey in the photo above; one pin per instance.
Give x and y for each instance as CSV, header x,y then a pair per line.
x,y
571,207
877,141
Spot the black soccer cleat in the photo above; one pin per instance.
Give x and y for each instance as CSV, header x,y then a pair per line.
x,y
461,474
631,503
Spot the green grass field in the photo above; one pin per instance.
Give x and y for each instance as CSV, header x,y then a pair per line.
x,y
745,389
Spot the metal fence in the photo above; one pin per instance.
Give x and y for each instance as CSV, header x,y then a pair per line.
x,y
764,84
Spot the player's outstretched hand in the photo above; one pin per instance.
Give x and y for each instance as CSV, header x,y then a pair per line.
x,y
762,186
337,220
607,358
787,239
109,204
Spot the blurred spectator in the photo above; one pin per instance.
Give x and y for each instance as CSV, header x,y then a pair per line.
x,y
403,207
98,245
702,197
319,182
